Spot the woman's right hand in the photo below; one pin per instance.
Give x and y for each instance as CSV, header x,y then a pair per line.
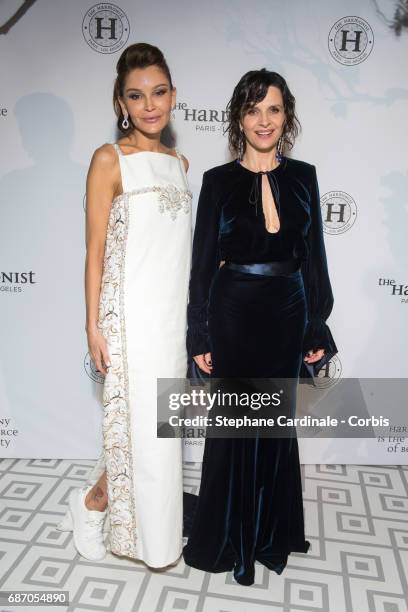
x,y
98,350
204,362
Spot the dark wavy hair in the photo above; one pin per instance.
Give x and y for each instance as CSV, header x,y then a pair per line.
x,y
251,89
139,55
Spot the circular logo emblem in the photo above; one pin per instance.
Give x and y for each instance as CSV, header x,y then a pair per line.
x,y
330,374
91,370
105,28
351,40
339,212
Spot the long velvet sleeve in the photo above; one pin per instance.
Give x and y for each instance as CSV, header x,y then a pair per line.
x,y
318,289
205,261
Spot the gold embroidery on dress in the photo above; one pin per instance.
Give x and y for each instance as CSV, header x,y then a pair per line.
x,y
171,198
116,421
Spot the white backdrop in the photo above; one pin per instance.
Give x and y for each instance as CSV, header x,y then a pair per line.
x,y
346,68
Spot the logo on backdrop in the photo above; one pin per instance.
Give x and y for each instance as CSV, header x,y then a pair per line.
x,y
329,374
16,282
351,40
3,112
105,28
207,120
339,212
91,370
395,289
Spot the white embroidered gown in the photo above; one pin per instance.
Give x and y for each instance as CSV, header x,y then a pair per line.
x,y
142,315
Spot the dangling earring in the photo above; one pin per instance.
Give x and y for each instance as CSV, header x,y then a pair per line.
x,y
125,122
241,145
279,150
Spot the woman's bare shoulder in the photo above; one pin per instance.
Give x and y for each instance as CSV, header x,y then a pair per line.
x,y
105,156
176,153
185,161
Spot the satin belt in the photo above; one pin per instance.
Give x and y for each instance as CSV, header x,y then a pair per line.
x,y
268,268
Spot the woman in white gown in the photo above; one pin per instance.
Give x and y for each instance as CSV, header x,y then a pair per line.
x,y
137,273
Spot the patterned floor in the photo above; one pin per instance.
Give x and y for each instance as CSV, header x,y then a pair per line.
x,y
356,520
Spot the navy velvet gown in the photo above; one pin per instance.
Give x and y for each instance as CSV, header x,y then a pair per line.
x,y
250,506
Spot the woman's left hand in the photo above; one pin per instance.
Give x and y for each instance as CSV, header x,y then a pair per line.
x,y
313,356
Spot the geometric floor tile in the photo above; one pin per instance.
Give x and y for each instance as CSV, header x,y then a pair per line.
x,y
356,519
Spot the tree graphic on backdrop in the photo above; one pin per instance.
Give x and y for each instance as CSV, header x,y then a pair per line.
x,y
399,21
20,12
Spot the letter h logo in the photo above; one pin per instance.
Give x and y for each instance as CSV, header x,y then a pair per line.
x,y
111,27
339,212
345,39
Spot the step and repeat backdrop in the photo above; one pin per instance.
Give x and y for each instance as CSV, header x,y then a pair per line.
x,y
344,62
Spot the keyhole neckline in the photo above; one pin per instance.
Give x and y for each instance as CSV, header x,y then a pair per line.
x,y
276,170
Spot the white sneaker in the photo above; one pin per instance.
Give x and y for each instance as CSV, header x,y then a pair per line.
x,y
65,523
87,526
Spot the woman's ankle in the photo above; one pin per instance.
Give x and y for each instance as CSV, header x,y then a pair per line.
x,y
96,499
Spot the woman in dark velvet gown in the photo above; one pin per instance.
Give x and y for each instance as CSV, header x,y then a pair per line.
x,y
259,297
